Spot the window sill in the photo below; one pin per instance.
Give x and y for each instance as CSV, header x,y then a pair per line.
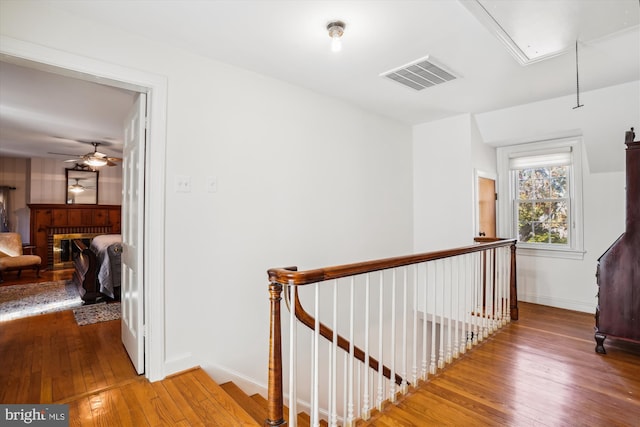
x,y
550,252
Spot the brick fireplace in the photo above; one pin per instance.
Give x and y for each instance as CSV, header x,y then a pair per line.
x,y
52,224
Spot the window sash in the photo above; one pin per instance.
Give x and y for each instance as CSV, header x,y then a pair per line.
x,y
568,199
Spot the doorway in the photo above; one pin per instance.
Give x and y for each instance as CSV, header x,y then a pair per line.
x,y
155,87
486,197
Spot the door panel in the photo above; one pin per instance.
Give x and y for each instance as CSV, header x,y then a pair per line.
x,y
487,207
133,234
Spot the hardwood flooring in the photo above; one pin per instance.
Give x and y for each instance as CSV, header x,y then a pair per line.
x,y
539,371
50,358
29,276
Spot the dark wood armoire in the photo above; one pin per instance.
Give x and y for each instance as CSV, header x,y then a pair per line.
x,y
618,273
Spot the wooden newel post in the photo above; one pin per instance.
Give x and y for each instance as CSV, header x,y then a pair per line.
x,y
276,401
513,285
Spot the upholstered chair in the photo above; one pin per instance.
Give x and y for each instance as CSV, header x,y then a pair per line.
x,y
12,257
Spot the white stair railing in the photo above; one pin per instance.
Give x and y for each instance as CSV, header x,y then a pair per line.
x,y
404,320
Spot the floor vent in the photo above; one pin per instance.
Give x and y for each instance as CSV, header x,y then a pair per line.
x,y
420,74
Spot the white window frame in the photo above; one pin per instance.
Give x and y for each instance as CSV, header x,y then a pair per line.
x,y
507,221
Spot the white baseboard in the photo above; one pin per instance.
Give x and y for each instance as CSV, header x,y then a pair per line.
x,y
179,363
567,304
221,375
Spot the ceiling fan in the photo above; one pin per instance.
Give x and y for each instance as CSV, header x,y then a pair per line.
x,y
93,159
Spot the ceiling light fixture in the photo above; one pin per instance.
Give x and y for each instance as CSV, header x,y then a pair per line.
x,y
95,161
336,30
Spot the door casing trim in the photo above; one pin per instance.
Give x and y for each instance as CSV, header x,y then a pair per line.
x,y
155,86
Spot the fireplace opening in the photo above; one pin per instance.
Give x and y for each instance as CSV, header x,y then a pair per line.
x,y
64,250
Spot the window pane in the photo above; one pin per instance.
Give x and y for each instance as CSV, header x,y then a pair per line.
x,y
559,187
543,205
559,233
525,221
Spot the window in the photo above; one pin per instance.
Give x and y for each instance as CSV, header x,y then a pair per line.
x,y
542,198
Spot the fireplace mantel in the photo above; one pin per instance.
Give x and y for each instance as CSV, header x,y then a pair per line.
x,y
49,219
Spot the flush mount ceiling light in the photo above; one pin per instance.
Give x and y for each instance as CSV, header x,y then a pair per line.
x,y
336,30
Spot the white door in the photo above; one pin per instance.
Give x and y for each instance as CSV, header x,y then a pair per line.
x,y
133,233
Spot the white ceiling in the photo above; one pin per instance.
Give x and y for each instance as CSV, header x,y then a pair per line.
x,y
287,40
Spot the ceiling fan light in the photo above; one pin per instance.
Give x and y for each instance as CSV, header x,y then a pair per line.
x,y
76,188
95,161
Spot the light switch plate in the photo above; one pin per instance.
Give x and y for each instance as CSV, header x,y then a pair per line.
x,y
183,184
212,184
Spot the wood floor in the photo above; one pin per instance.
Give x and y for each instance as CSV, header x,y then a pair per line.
x,y
539,371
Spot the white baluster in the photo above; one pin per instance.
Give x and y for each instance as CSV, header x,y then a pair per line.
x,y
487,295
505,287
414,370
455,305
448,288
366,406
464,303
357,413
442,304
344,387
392,381
380,394
508,284
424,323
333,417
293,353
494,291
477,261
404,387
500,293
315,414
507,267
432,364
350,418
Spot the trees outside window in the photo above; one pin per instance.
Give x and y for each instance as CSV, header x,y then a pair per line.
x,y
543,205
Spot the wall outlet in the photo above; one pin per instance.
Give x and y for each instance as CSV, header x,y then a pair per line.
x,y
212,184
183,184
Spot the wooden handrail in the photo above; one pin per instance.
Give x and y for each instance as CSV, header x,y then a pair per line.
x,y
291,276
286,276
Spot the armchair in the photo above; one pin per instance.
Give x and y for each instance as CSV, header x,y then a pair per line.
x,y
12,257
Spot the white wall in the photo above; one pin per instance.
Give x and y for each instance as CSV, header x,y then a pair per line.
x,y
606,115
302,179
602,122
445,155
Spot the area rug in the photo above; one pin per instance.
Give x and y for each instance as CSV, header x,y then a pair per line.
x,y
32,299
96,313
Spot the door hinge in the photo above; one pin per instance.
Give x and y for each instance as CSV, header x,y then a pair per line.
x,y
496,194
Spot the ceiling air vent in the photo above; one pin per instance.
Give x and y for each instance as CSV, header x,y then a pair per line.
x,y
419,74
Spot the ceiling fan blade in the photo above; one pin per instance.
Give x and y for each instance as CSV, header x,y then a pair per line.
x,y
114,159
65,154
